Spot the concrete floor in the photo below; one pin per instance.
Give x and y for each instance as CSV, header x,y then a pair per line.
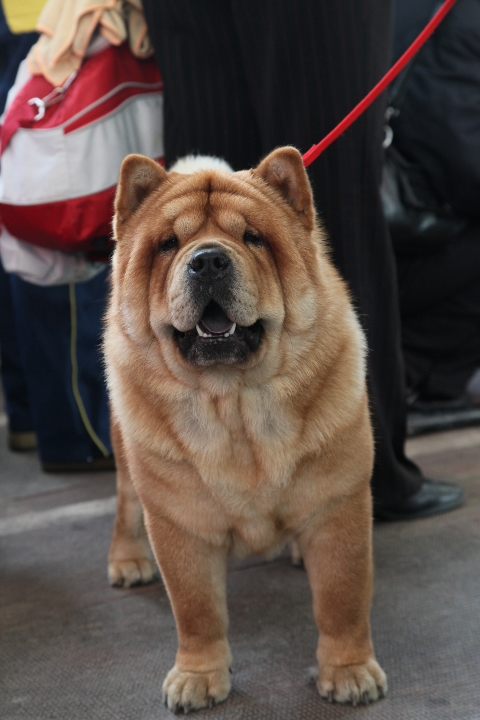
x,y
72,648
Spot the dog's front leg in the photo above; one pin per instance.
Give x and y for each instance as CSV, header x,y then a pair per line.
x,y
337,552
194,573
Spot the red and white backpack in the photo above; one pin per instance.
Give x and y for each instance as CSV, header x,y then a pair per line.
x,y
61,149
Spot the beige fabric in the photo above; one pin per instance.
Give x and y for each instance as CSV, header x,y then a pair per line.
x,y
67,26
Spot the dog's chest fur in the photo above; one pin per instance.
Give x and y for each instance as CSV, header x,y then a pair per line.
x,y
242,448
238,442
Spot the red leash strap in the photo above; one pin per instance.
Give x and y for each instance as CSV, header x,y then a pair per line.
x,y
316,150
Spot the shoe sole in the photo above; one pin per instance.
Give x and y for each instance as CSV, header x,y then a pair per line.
x,y
99,464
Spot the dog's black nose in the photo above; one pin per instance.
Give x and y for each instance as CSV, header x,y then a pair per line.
x,y
211,264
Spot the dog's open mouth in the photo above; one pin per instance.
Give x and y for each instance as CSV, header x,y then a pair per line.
x,y
216,339
215,323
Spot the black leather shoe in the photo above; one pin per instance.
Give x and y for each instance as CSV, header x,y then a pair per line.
x,y
432,498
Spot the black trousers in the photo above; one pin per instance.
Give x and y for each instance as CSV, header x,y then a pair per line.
x,y
440,310
245,76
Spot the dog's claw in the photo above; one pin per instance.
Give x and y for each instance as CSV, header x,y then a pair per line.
x,y
211,702
365,698
186,708
355,701
176,708
330,696
381,693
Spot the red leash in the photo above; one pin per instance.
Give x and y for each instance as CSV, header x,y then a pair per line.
x,y
316,150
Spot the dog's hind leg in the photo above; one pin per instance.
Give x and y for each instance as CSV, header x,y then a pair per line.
x,y
130,559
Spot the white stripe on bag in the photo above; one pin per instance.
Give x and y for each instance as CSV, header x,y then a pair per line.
x,y
83,162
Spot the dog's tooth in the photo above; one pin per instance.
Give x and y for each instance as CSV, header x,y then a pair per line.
x,y
232,330
201,333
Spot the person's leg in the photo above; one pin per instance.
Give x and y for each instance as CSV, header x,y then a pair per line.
x,y
440,308
20,423
316,61
207,108
90,300
425,280
68,418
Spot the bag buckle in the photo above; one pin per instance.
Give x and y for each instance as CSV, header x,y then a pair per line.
x,y
52,98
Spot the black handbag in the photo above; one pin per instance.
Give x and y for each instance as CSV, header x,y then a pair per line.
x,y
418,219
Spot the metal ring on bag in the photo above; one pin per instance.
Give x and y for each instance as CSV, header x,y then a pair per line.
x,y
40,105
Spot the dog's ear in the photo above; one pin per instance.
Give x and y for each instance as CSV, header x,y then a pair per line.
x,y
139,177
283,170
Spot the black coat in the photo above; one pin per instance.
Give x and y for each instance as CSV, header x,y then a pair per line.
x,y
439,121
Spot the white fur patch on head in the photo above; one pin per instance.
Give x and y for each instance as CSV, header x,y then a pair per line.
x,y
193,163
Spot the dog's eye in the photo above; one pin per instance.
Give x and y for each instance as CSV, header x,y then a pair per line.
x,y
253,239
170,243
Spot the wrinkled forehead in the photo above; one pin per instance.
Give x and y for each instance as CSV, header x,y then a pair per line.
x,y
204,198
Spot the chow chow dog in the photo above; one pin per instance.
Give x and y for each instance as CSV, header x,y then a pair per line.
x,y
236,372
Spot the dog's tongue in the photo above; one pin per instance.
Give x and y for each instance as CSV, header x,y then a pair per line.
x,y
214,319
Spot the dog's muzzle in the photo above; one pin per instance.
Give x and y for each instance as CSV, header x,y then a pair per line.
x,y
216,337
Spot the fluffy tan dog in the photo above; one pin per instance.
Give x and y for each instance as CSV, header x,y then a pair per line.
x,y
236,368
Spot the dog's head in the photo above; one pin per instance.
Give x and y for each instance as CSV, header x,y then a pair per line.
x,y
216,265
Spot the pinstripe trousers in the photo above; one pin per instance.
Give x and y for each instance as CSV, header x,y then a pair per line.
x,y
242,77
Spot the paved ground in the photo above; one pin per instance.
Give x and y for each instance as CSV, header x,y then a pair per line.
x,y
72,648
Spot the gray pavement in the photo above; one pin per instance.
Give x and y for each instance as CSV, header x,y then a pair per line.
x,y
72,648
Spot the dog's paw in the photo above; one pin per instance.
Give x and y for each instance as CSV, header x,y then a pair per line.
x,y
353,683
127,573
185,691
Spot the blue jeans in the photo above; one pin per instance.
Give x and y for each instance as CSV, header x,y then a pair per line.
x,y
59,335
